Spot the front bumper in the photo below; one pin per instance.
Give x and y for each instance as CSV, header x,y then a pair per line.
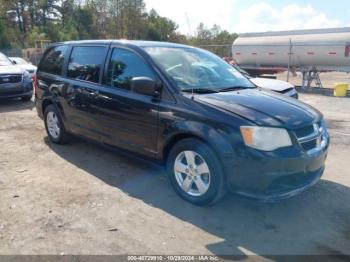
x,y
271,176
16,90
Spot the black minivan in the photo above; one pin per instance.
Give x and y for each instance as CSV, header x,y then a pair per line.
x,y
184,107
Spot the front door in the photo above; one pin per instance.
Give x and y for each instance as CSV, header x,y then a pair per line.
x,y
128,120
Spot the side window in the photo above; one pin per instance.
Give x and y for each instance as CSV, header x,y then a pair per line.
x,y
53,60
85,63
125,65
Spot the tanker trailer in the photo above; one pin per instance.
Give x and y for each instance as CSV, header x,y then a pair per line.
x,y
307,51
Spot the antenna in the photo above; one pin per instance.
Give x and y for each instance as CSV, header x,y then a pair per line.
x,y
289,58
190,29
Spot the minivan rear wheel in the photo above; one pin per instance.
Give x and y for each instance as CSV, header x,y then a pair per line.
x,y
195,172
54,125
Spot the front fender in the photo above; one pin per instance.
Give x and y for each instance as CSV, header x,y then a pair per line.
x,y
217,138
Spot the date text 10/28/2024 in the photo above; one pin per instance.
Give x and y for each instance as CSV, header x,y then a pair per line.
x,y
173,258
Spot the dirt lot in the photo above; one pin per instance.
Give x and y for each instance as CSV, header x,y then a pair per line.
x,y
328,79
83,199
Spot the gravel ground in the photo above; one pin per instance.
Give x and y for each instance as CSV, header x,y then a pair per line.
x,y
83,199
328,79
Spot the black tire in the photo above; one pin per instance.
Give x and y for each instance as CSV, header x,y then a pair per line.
x,y
63,136
27,98
217,180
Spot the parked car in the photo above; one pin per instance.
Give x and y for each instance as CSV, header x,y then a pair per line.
x,y
29,67
184,107
14,81
275,85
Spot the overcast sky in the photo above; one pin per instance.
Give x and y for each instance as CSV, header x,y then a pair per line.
x,y
252,15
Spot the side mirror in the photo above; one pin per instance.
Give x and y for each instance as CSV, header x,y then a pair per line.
x,y
14,62
144,86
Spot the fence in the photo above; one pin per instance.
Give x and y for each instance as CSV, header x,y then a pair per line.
x,y
32,55
12,52
220,50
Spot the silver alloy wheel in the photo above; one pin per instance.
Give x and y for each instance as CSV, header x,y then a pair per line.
x,y
192,173
53,124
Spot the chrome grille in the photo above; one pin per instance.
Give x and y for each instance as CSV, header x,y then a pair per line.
x,y
304,131
309,145
312,138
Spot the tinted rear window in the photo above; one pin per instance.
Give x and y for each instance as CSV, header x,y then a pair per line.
x,y
53,60
85,63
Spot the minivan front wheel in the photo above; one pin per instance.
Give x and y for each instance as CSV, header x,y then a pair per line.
x,y
54,125
195,172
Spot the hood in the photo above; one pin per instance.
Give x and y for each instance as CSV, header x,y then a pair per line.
x,y
264,108
11,69
271,84
27,67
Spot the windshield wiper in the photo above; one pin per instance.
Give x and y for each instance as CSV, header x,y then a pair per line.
x,y
200,90
234,88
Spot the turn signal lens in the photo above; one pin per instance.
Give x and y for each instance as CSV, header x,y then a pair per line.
x,y
247,134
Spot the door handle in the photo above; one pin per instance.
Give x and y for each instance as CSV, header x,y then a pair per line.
x,y
91,94
104,97
94,94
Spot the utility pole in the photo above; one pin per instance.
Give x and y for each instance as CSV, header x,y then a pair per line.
x,y
189,24
289,58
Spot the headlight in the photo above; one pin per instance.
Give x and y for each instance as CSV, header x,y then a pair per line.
x,y
27,77
265,138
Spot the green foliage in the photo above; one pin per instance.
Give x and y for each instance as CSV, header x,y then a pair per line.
x,y
35,34
159,28
214,39
23,22
4,41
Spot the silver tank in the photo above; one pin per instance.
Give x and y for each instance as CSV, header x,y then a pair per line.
x,y
326,49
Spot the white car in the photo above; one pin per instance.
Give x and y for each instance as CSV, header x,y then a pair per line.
x,y
275,85
14,81
31,69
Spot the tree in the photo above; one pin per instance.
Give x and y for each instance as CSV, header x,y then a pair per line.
x,y
4,41
160,28
214,39
25,21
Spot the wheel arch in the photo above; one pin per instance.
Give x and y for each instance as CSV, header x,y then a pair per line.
x,y
218,149
220,165
52,101
46,102
215,138
175,139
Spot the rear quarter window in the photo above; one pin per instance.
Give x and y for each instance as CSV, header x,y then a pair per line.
x,y
53,60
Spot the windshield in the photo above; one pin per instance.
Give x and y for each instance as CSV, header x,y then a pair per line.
x,y
197,69
4,61
242,71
